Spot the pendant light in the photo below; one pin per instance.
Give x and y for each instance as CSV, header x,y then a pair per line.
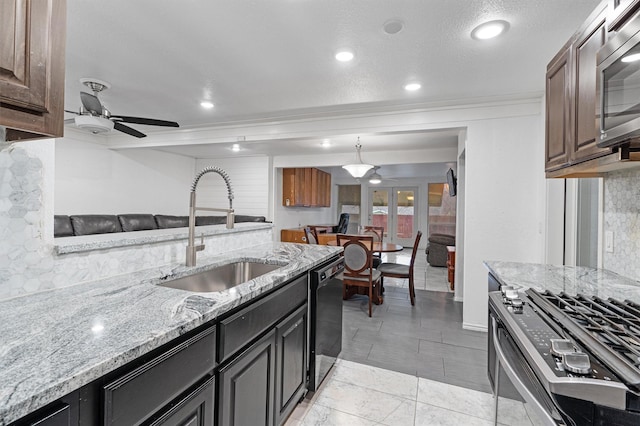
x,y
359,169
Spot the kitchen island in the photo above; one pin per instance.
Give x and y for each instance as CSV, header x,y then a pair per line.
x,y
55,342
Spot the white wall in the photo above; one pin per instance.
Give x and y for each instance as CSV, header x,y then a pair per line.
x,y
504,203
250,180
92,179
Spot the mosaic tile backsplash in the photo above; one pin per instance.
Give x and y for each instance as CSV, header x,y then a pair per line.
x,y
621,215
28,263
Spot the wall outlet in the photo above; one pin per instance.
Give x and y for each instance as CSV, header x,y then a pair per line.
x,y
608,241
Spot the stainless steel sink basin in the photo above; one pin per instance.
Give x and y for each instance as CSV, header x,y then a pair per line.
x,y
221,278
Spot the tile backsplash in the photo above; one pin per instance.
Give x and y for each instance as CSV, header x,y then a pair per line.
x,y
622,217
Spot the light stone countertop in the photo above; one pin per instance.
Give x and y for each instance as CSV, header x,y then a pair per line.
x,y
57,341
572,280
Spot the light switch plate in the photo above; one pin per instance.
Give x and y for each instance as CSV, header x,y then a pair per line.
x,y
608,241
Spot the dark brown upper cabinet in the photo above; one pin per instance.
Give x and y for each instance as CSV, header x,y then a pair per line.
x,y
558,110
586,125
32,68
572,125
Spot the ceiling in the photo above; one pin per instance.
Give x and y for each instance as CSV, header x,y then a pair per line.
x,y
257,60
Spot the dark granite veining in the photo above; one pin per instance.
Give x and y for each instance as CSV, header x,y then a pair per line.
x,y
56,341
572,280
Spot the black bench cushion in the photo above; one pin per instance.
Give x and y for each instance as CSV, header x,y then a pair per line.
x,y
210,220
88,224
166,221
62,226
244,218
137,222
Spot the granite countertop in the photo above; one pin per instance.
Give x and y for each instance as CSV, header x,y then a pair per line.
x,y
572,280
57,341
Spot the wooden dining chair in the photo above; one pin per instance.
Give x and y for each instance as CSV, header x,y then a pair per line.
x,y
358,267
378,235
311,235
398,270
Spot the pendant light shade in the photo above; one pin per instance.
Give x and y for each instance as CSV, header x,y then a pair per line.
x,y
359,169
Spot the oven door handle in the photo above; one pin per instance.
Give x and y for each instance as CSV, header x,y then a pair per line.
x,y
516,381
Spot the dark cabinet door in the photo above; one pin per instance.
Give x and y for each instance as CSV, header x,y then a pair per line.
x,y
558,111
291,368
196,408
247,386
32,67
58,415
584,100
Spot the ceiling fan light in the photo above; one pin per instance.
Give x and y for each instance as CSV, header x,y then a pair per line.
x,y
375,179
94,124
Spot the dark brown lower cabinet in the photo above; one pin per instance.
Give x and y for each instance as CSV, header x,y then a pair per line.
x,y
196,408
60,414
291,362
265,382
247,385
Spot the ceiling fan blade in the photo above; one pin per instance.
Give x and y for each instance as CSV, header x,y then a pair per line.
x,y
147,121
128,130
70,121
91,103
72,112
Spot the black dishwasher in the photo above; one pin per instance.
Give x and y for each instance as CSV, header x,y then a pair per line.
x,y
325,320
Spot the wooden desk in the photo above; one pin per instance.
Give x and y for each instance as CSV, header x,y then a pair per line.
x,y
296,235
451,264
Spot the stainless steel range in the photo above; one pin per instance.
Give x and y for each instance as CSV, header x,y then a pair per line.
x,y
573,360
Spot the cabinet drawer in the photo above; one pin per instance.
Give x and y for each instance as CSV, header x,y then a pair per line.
x,y
140,393
245,325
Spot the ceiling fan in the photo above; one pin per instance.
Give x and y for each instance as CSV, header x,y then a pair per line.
x,y
96,118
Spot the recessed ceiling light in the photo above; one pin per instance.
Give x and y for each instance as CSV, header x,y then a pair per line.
x,y
631,58
344,55
206,104
235,147
326,143
412,87
393,26
489,30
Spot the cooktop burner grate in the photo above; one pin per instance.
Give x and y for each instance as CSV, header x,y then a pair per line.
x,y
610,329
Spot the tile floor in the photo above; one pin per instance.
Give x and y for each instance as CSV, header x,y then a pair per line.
x,y
407,365
357,394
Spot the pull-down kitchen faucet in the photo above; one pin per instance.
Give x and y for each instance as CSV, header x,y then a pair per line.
x,y
192,249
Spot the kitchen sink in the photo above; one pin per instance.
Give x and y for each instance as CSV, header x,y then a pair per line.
x,y
221,278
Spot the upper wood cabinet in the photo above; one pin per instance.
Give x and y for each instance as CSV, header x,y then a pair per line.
x,y
584,99
558,110
571,98
306,187
32,68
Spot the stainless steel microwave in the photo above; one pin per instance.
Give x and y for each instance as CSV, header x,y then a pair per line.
x,y
618,109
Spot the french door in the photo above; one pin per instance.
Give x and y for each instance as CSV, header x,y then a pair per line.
x,y
393,208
